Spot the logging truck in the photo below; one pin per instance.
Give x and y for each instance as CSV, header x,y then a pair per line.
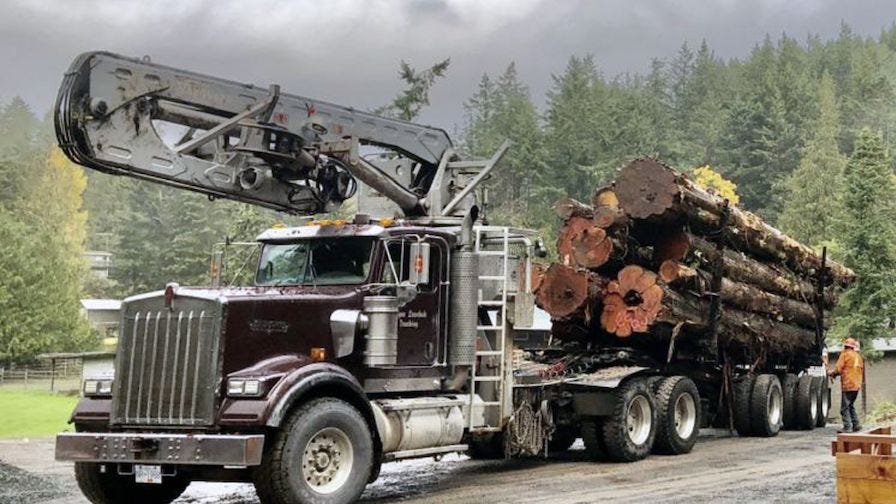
x,y
401,332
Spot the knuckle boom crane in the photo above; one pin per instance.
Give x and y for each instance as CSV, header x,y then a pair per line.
x,y
227,139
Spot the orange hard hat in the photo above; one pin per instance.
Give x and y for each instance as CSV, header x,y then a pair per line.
x,y
850,343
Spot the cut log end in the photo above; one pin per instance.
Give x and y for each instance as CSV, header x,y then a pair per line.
x,y
605,197
632,302
562,291
566,208
581,243
646,188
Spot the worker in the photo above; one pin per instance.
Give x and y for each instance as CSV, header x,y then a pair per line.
x,y
850,368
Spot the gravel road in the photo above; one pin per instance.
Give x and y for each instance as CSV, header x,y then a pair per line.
x,y
794,467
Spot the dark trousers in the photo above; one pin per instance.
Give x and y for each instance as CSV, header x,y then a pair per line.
x,y
848,410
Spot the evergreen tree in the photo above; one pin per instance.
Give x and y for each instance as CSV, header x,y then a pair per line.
x,y
868,242
408,104
811,194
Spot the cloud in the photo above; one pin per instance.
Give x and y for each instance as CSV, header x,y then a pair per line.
x,y
348,51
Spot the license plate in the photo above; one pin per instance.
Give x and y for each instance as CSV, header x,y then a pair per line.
x,y
148,474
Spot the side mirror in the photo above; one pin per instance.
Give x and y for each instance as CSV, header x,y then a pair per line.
x,y
419,267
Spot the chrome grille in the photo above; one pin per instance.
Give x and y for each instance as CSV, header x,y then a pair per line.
x,y
167,370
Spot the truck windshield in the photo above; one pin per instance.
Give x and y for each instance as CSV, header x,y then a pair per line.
x,y
315,261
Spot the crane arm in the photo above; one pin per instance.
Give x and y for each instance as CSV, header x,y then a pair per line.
x,y
228,139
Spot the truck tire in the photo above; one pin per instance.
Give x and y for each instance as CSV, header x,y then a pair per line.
x,y
824,401
489,447
806,404
788,389
766,405
678,415
629,432
323,454
563,438
593,438
742,389
110,488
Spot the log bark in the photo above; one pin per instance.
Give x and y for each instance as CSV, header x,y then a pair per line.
x,y
569,293
696,251
566,208
692,313
740,295
649,190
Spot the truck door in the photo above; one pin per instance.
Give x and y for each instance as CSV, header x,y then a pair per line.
x,y
420,321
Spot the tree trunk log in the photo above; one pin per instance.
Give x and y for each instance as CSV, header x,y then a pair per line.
x,y
566,208
694,250
740,295
692,314
569,293
649,190
581,243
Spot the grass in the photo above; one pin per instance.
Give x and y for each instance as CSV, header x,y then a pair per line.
x,y
34,414
883,414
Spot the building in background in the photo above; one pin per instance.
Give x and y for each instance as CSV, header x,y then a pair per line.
x,y
99,262
103,315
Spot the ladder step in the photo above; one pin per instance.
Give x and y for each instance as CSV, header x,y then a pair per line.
x,y
492,278
491,303
488,328
494,378
491,253
488,404
489,353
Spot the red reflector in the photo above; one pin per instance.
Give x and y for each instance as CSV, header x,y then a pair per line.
x,y
169,295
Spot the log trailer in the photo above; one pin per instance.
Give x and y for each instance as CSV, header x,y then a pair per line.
x,y
383,337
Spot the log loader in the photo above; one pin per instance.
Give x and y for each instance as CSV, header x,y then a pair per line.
x,y
394,334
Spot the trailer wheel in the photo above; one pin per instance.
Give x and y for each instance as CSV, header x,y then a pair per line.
x,y
563,438
678,415
788,389
824,401
592,437
766,405
806,404
742,390
629,432
323,454
108,487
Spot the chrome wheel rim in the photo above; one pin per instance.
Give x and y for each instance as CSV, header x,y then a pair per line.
x,y
775,406
638,420
825,403
327,460
685,415
813,406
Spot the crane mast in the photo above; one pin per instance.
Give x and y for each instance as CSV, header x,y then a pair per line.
x,y
256,145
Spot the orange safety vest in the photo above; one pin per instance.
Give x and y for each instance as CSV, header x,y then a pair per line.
x,y
850,367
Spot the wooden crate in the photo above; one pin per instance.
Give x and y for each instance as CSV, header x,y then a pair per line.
x,y
866,467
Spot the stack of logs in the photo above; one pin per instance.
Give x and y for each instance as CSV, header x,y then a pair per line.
x,y
656,256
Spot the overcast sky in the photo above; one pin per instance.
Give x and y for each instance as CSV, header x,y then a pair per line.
x,y
348,51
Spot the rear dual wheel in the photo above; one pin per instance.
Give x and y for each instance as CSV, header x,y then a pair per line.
x,y
629,432
678,415
806,408
758,405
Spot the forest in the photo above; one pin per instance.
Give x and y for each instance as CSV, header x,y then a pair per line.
x,y
799,131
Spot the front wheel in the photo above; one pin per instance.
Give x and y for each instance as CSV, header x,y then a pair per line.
x,y
323,455
102,485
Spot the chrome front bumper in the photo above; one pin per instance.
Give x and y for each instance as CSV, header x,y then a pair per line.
x,y
217,450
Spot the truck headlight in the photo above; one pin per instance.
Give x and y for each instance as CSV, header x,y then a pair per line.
x,y
97,388
242,387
